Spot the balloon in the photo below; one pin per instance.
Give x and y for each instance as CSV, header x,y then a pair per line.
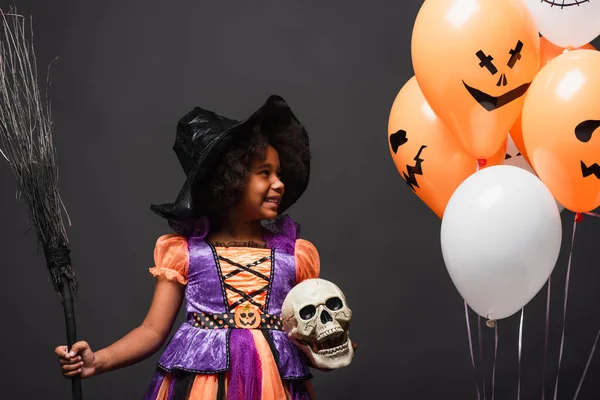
x,y
516,135
496,159
474,60
560,117
501,236
515,158
566,23
548,51
424,151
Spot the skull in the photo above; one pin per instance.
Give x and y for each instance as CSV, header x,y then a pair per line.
x,y
317,318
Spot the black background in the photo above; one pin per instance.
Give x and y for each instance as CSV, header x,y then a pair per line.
x,y
128,70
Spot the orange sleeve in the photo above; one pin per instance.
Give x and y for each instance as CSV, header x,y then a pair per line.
x,y
171,258
308,264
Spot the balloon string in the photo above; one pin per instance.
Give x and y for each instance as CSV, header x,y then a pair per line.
x,y
562,340
595,341
481,354
520,347
587,366
471,349
495,358
546,334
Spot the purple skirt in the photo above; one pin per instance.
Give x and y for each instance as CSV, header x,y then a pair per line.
x,y
242,381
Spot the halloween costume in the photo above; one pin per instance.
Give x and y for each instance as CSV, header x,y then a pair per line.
x,y
232,344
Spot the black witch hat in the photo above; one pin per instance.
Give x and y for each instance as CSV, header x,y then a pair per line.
x,y
203,138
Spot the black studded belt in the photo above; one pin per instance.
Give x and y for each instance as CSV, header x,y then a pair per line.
x,y
245,317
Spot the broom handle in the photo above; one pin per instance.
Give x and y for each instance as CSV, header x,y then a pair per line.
x,y
69,309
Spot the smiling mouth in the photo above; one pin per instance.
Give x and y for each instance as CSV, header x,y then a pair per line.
x,y
272,201
248,323
563,3
490,103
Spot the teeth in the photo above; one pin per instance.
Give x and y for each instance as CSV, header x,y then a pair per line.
x,y
331,342
329,332
335,350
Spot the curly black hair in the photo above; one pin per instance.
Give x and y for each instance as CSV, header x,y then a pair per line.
x,y
225,185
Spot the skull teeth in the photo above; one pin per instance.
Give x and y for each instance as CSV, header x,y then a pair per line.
x,y
331,343
329,334
334,350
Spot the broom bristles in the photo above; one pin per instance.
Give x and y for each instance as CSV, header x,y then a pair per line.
x,y
26,136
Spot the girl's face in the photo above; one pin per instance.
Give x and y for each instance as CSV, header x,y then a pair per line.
x,y
264,189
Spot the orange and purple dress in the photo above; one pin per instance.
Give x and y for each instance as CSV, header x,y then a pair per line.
x,y
232,344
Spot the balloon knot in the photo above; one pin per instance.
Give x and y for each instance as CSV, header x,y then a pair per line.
x,y
490,323
482,162
578,217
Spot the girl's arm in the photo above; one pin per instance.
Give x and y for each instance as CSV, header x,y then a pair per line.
x,y
134,347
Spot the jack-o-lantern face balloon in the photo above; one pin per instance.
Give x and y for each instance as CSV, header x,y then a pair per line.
x,y
548,51
561,120
426,155
567,23
474,60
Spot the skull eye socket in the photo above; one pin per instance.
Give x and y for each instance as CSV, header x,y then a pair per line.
x,y
307,312
334,303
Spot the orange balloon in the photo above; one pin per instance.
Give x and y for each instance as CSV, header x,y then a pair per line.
x,y
560,120
424,151
474,60
498,158
516,133
548,51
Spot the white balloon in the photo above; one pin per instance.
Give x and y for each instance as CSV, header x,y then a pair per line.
x,y
513,157
501,236
566,23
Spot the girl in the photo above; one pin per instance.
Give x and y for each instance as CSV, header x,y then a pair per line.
x,y
234,258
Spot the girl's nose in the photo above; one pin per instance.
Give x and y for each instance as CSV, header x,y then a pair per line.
x,y
277,184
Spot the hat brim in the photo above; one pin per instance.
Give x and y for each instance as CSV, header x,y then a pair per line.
x,y
279,116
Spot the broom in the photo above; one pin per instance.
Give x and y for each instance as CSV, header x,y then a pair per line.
x,y
26,144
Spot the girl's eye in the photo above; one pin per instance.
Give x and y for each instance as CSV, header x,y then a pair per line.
x,y
265,172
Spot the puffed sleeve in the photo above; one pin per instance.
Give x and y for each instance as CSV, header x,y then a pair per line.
x,y
308,264
171,258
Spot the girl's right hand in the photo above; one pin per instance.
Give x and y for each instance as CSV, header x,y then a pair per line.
x,y
80,360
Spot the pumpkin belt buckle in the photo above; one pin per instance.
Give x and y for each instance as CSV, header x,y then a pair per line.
x,y
247,316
